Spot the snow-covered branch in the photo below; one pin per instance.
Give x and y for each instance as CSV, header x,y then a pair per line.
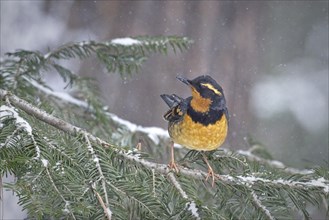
x,y
156,134
321,184
273,163
259,204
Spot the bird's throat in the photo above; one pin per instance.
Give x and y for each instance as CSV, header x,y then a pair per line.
x,y
200,104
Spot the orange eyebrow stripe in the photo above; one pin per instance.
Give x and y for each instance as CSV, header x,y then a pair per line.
x,y
211,87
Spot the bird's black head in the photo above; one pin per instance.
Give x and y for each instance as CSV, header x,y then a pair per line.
x,y
204,85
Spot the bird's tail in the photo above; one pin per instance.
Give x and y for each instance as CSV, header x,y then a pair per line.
x,y
171,100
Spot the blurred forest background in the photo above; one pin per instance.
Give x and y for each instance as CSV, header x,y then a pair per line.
x,y
271,58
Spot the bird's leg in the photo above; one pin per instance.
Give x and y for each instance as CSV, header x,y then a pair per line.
x,y
211,172
172,164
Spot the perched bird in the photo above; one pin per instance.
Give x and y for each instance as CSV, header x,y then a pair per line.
x,y
199,122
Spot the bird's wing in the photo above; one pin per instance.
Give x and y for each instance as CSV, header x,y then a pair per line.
x,y
178,107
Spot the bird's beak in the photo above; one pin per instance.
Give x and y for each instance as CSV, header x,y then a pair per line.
x,y
184,80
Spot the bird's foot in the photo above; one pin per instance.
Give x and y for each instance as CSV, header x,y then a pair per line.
x,y
211,174
173,166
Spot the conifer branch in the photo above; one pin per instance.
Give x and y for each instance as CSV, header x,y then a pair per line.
x,y
102,178
59,193
191,204
49,119
122,178
156,134
320,184
259,205
131,197
176,184
273,163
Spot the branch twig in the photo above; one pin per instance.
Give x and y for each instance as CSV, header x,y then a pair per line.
x,y
259,204
189,205
99,168
107,210
273,163
59,193
176,184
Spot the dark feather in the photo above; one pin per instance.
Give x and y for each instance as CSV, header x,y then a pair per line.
x,y
178,107
171,100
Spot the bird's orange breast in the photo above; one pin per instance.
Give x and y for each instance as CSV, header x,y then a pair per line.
x,y
197,136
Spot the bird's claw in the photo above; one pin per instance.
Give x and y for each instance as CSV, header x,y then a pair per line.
x,y
213,175
172,165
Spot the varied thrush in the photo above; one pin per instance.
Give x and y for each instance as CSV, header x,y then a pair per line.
x,y
199,122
